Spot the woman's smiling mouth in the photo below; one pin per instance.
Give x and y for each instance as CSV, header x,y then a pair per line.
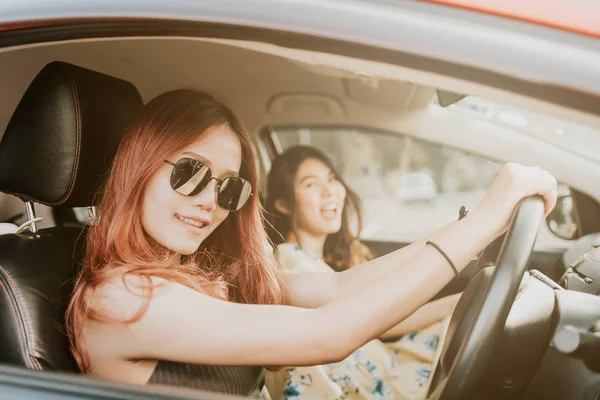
x,y
329,211
195,223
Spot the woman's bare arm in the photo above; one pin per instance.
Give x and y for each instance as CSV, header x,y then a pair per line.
x,y
313,290
424,316
183,325
186,326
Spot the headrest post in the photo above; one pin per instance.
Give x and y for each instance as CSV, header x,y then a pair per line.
x,y
93,214
30,210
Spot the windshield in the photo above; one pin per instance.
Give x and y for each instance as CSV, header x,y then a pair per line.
x,y
568,135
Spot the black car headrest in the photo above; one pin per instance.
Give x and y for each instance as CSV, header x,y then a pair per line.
x,y
56,150
64,134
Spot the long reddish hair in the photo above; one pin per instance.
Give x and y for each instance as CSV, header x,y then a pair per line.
x,y
234,263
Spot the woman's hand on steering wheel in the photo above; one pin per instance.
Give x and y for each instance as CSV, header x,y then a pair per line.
x,y
514,183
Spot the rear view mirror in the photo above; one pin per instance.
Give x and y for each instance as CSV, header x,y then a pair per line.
x,y
446,98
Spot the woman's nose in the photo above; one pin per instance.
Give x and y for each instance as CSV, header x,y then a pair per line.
x,y
207,198
328,190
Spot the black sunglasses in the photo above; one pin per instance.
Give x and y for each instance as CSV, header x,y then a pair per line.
x,y
191,176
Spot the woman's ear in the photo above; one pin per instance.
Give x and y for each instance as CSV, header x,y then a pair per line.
x,y
282,207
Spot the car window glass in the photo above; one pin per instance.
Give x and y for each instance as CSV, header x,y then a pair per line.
x,y
409,187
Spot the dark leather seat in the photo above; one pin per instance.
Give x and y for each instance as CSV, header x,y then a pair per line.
x,y
56,151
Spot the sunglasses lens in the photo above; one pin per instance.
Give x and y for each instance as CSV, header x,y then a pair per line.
x,y
233,193
190,176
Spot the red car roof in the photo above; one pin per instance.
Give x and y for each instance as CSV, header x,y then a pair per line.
x,y
580,16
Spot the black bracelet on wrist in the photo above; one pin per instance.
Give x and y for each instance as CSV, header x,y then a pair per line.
x,y
435,246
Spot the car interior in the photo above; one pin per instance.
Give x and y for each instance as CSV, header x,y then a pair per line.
x,y
413,151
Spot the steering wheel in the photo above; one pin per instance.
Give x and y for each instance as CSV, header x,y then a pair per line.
x,y
478,321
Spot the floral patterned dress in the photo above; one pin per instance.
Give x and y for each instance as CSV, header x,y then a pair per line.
x,y
376,371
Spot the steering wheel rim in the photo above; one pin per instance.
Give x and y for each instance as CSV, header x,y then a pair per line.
x,y
487,318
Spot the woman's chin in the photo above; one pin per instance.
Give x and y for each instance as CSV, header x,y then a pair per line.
x,y
332,228
182,246
188,250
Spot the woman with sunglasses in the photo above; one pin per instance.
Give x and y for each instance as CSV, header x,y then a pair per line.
x,y
179,284
314,219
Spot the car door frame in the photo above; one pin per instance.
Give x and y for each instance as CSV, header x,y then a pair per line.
x,y
429,37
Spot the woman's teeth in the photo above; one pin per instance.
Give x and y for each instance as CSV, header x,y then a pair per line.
x,y
330,207
329,211
190,221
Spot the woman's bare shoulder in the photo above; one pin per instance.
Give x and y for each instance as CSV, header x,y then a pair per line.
x,y
122,296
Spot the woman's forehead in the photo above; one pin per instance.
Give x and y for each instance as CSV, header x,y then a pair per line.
x,y
219,148
313,167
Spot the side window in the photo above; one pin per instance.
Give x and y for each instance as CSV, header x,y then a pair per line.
x,y
409,187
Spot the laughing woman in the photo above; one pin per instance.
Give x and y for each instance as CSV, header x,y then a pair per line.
x,y
310,212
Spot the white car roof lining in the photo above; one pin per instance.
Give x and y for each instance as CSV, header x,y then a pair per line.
x,y
415,118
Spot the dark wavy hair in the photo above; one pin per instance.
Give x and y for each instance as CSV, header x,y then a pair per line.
x,y
343,249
